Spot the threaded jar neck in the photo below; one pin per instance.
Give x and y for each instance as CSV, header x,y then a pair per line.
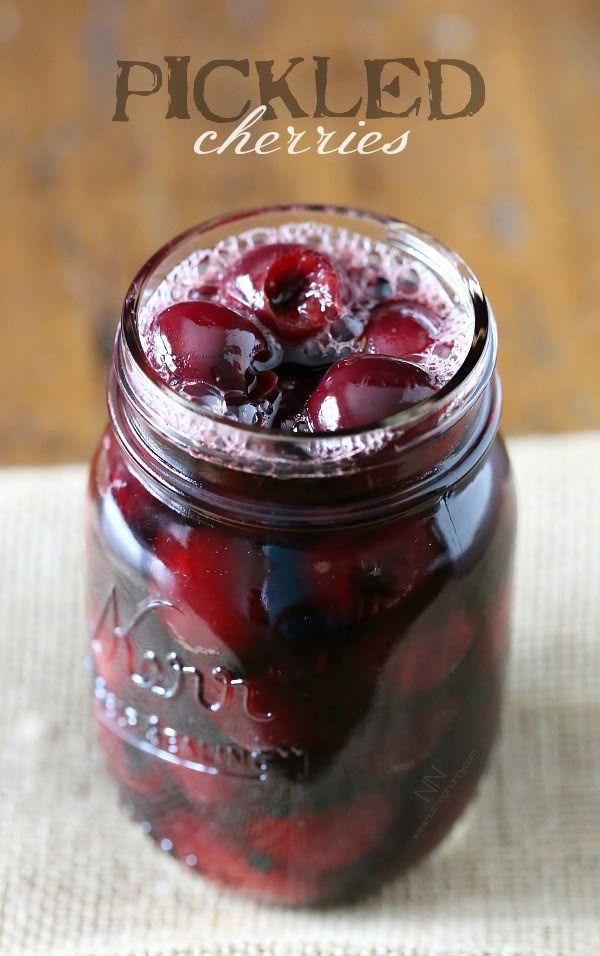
x,y
197,461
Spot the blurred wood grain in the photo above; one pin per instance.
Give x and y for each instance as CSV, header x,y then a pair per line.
x,y
514,189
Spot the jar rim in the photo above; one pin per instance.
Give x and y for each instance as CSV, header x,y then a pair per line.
x,y
174,414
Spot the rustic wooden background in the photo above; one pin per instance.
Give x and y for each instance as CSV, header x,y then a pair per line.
x,y
85,200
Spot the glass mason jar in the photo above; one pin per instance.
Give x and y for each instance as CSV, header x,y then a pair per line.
x,y
299,640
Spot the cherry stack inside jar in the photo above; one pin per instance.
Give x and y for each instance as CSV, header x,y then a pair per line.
x,y
299,669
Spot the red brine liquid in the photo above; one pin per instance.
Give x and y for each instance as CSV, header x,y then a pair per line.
x,y
300,709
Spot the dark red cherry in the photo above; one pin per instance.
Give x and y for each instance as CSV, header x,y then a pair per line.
x,y
202,785
295,290
303,290
267,709
243,282
132,767
196,841
202,343
264,712
129,514
296,383
399,735
400,329
355,576
265,387
429,653
364,389
494,633
212,584
410,734
321,841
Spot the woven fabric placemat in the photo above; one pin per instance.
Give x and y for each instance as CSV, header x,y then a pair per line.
x,y
77,879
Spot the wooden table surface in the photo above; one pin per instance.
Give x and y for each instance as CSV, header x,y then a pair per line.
x,y
85,200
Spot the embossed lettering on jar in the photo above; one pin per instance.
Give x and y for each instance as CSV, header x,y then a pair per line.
x,y
298,614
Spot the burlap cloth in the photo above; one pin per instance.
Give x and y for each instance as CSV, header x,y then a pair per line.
x,y
77,878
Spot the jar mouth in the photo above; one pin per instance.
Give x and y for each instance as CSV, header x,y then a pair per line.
x,y
206,435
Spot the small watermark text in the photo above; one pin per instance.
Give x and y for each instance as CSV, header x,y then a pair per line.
x,y
432,784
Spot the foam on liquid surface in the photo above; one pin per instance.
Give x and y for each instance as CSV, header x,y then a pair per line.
x,y
200,274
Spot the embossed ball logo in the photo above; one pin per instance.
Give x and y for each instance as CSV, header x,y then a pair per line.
x,y
118,646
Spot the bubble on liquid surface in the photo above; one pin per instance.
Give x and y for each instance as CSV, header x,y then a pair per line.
x,y
408,284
